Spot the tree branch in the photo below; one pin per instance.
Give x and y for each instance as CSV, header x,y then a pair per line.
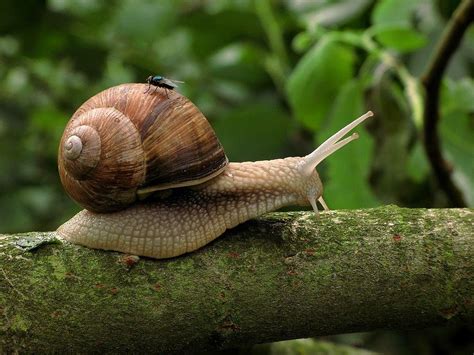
x,y
288,275
431,80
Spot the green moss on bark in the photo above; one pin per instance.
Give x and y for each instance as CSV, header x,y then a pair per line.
x,y
283,276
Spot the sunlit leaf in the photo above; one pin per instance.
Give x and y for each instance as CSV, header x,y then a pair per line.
x,y
316,80
399,37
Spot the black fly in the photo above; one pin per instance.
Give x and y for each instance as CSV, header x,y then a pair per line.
x,y
161,82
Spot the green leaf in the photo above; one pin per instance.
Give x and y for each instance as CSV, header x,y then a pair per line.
x,y
239,61
211,32
417,165
399,37
317,79
329,13
345,185
458,143
395,11
46,126
254,131
457,133
457,96
141,24
302,41
394,134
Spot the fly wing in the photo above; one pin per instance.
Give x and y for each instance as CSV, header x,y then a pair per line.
x,y
170,82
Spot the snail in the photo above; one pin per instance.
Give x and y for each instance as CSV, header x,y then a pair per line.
x,y
155,181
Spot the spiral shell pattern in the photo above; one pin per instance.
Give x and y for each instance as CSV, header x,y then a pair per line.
x,y
123,140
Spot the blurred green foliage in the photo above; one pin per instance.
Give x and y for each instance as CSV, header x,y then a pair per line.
x,y
275,78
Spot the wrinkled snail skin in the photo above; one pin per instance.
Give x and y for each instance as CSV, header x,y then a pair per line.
x,y
155,180
192,217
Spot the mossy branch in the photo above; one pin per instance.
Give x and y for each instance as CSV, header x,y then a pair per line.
x,y
287,275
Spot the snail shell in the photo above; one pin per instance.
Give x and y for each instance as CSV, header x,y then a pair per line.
x,y
122,142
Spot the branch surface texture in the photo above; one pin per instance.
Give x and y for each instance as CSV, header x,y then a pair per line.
x,y
449,42
287,275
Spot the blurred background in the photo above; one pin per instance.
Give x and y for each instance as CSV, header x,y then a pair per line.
x,y
275,78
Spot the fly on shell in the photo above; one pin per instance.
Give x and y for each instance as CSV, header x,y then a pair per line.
x,y
159,81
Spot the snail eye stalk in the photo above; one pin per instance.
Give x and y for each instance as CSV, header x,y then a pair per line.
x,y
332,144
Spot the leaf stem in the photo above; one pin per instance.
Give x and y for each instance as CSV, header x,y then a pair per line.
x,y
277,62
431,80
410,83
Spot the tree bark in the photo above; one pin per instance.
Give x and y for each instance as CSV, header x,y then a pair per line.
x,y
287,275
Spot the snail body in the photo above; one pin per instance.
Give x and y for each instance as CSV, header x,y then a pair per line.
x,y
192,217
196,206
